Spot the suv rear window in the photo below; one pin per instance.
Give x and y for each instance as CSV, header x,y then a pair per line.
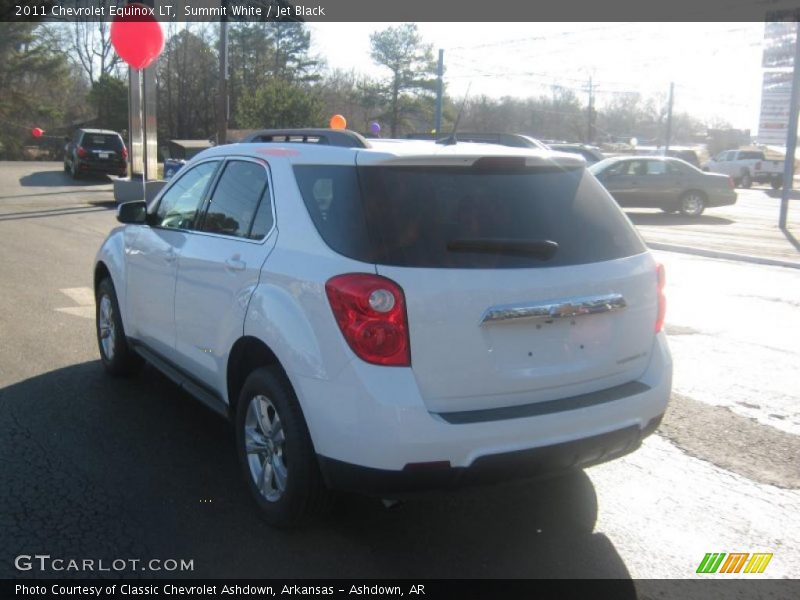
x,y
101,141
456,217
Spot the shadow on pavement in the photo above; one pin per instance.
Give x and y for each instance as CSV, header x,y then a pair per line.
x,y
101,467
57,212
792,239
675,219
793,194
58,178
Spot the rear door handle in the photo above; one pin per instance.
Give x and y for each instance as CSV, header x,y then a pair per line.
x,y
234,263
171,255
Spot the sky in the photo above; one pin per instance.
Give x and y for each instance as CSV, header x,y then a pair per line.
x,y
716,67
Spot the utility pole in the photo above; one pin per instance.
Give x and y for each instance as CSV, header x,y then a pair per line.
x,y
669,117
791,140
222,105
437,124
590,125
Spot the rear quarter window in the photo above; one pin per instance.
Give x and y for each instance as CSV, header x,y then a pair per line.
x,y
416,216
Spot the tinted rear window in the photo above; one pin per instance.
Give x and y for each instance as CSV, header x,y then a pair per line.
x,y
435,216
101,141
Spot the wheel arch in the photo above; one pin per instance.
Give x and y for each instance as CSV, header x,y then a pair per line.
x,y
247,354
695,191
101,272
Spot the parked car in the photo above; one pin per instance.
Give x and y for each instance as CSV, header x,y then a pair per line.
x,y
591,155
389,317
91,151
514,140
685,154
660,182
747,167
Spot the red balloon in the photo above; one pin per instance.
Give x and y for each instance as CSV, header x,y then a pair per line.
x,y
137,36
36,132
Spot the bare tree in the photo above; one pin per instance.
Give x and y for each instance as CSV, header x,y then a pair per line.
x,y
90,43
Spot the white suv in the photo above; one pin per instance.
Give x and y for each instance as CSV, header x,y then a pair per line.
x,y
388,316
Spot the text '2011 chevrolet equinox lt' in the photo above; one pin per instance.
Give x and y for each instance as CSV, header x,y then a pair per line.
x,y
390,316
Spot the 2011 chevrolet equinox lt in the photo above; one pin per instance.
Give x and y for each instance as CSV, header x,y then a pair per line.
x,y
388,316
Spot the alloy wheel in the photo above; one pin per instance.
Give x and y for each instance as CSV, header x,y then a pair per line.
x,y
692,205
264,445
108,333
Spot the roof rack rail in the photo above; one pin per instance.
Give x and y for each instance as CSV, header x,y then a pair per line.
x,y
328,137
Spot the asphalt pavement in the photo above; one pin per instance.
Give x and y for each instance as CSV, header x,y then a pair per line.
x,y
108,468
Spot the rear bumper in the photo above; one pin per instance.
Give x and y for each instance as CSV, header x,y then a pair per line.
x,y
370,423
531,463
104,167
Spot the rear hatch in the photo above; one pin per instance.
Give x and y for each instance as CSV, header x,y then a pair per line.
x,y
102,148
524,282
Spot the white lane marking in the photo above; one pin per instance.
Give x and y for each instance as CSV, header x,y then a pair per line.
x,y
87,312
84,297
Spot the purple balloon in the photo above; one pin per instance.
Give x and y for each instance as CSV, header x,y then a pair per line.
x,y
375,127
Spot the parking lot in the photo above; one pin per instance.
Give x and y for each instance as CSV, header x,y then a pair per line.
x,y
100,467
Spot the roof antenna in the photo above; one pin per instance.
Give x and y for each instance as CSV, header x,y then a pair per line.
x,y
450,140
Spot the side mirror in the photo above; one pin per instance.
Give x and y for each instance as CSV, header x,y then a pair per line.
x,y
134,213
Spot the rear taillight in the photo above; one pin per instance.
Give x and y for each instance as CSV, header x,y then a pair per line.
x,y
371,312
124,153
81,151
662,299
731,183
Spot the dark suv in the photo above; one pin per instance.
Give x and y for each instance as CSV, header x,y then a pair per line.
x,y
96,151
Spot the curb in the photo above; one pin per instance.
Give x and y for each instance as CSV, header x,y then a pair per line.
x,y
759,260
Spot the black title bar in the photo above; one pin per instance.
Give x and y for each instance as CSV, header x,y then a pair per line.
x,y
493,11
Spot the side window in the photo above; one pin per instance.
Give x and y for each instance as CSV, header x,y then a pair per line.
x,y
676,168
179,205
656,167
636,168
236,198
621,168
264,219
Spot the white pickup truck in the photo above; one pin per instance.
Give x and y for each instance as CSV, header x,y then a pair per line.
x,y
746,167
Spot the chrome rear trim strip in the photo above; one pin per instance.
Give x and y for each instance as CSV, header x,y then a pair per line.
x,y
556,309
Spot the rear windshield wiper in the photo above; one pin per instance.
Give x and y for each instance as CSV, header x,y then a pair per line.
x,y
543,249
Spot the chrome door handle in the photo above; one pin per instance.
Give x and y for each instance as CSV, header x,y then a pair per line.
x,y
556,309
235,264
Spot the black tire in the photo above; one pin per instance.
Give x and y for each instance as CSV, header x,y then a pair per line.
x,y
776,184
746,181
692,203
304,493
115,352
